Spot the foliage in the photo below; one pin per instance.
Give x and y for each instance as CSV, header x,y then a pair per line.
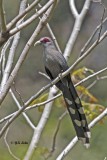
x,y
90,103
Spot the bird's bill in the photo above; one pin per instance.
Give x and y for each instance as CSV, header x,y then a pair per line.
x,y
36,43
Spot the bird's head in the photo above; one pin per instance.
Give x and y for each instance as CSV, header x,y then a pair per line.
x,y
45,41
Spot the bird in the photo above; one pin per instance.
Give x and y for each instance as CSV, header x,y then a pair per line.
x,y
55,64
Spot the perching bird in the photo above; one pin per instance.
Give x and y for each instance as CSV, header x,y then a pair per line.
x,y
55,64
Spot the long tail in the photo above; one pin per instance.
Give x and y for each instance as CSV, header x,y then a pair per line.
x,y
76,113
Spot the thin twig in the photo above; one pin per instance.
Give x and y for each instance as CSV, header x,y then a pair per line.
x,y
51,32
21,15
45,75
22,101
91,37
86,53
55,134
102,18
7,145
53,98
24,114
31,19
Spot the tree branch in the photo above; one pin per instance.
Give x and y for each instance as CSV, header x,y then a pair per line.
x,y
2,18
21,15
91,37
24,114
77,26
73,9
75,140
54,97
9,33
86,53
40,126
32,18
11,55
44,20
51,33
8,147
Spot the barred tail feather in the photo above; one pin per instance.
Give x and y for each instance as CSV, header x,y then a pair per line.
x,y
77,115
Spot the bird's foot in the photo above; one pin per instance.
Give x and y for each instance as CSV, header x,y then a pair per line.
x,y
60,76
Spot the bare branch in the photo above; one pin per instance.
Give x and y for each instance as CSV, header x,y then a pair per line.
x,y
54,97
20,61
32,18
9,63
89,50
77,26
18,93
7,117
23,55
73,8
2,56
55,134
24,114
21,15
51,33
92,36
2,18
45,75
75,140
102,18
91,76
40,126
4,38
8,147
53,37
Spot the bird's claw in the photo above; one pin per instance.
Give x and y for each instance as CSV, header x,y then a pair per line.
x,y
60,76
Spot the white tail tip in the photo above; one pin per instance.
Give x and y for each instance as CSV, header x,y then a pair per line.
x,y
87,145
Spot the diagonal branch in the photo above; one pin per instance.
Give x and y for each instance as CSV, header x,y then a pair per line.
x,y
51,33
40,26
75,140
40,126
21,15
24,114
24,54
9,33
53,98
32,18
89,50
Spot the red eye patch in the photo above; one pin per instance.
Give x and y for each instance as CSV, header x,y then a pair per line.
x,y
45,40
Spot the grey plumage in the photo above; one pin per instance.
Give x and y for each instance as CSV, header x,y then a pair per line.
x,y
55,64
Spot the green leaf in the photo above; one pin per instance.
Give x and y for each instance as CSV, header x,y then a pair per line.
x,y
86,94
81,73
40,99
92,110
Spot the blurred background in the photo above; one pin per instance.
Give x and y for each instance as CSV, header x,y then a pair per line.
x,y
29,81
